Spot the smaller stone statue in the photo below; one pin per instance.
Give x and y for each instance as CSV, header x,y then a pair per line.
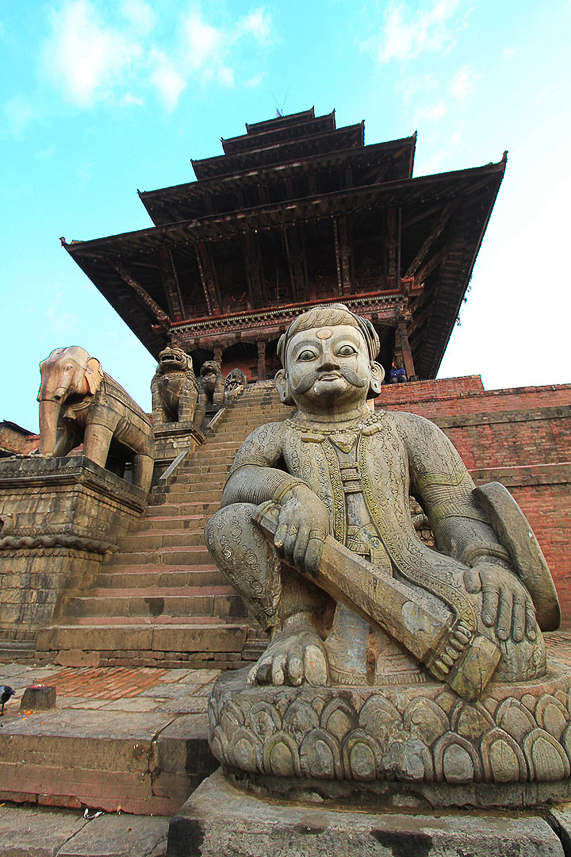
x,y
174,388
235,382
81,403
211,389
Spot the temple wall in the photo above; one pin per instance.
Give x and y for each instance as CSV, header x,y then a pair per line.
x,y
519,436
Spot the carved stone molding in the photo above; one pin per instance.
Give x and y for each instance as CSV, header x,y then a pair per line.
x,y
422,738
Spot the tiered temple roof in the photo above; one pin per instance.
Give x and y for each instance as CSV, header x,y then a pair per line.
x,y
298,211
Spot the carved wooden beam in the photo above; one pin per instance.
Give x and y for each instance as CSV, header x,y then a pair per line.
x,y
208,277
431,238
160,316
430,265
342,255
171,285
296,262
391,242
261,343
254,269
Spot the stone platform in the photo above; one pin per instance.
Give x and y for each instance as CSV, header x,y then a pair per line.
x,y
220,820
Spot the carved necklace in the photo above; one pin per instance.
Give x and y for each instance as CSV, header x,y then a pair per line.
x,y
358,425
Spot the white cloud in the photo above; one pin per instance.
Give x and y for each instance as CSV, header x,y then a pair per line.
x,y
130,100
407,33
167,80
463,84
255,80
225,76
84,57
432,113
92,60
140,14
257,23
204,41
18,114
412,86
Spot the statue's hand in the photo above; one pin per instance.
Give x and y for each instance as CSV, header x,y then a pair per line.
x,y
303,524
506,604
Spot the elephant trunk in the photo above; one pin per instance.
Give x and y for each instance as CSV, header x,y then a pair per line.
x,y
49,414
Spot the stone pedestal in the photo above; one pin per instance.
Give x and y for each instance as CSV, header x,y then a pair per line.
x,y
398,746
58,517
220,820
171,439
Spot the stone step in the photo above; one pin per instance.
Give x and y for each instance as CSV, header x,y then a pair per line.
x,y
185,509
181,555
141,638
226,604
151,539
143,577
164,523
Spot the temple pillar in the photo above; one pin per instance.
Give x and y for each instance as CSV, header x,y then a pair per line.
x,y
405,349
261,343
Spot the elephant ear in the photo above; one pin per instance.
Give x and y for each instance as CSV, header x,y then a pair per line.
x,y
93,375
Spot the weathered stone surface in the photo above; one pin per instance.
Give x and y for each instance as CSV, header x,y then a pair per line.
x,y
38,697
119,836
36,832
510,748
39,832
220,820
59,517
174,388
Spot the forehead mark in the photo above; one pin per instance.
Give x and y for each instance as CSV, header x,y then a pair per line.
x,y
324,333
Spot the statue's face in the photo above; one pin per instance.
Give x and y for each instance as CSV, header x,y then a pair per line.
x,y
328,368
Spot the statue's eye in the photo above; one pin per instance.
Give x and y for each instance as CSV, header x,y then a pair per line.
x,y
306,354
346,351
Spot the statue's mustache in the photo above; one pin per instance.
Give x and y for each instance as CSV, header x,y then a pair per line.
x,y
355,380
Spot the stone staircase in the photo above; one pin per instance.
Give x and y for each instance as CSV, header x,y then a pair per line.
x,y
161,601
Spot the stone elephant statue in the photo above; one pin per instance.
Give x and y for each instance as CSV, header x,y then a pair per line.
x,y
174,387
78,401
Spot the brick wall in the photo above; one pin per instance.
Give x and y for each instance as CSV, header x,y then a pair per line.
x,y
15,440
519,436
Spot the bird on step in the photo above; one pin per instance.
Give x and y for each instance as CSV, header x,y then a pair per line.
x,y
5,694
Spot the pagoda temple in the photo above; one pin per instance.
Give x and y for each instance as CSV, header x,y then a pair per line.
x,y
297,211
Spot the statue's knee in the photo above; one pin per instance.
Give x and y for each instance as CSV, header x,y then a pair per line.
x,y
228,529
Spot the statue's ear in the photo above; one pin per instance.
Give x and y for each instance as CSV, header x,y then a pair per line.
x,y
282,384
93,375
377,378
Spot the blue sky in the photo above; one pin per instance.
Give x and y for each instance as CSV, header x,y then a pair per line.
x,y
100,98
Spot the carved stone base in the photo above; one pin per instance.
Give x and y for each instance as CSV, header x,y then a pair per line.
x,y
171,439
416,744
58,517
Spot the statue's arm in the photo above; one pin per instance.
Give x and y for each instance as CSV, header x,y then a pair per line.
x,y
258,469
442,484
258,474
444,487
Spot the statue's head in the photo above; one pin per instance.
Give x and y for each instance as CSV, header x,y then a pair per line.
x,y
328,358
172,359
210,367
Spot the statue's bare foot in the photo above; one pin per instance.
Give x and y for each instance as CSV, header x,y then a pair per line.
x,y
295,656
